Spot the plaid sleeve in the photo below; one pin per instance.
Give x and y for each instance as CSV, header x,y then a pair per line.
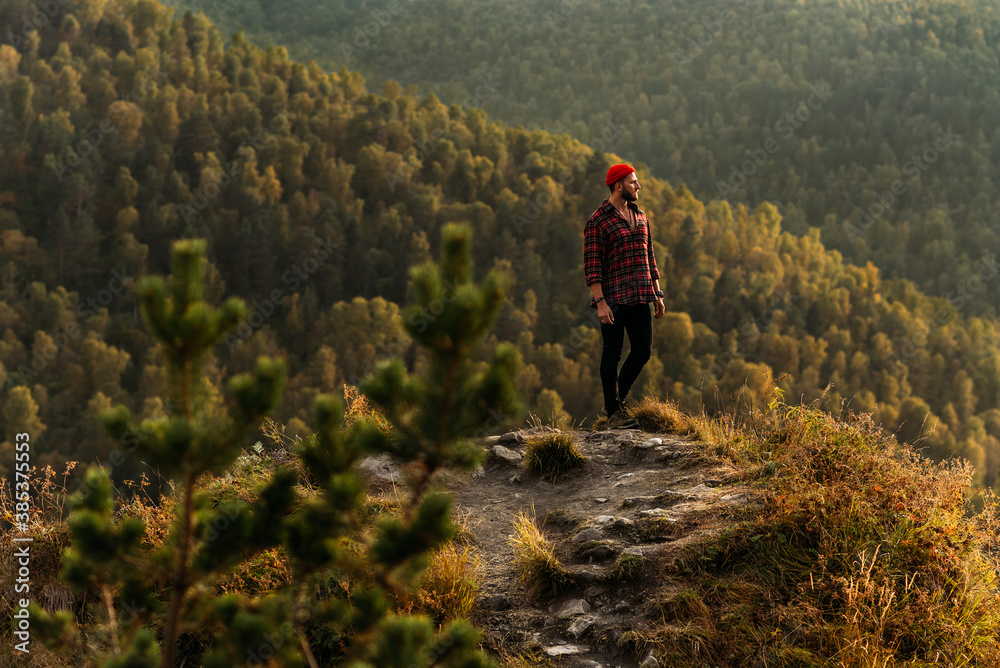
x,y
593,252
654,273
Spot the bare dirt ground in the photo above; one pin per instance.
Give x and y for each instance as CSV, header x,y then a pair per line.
x,y
640,494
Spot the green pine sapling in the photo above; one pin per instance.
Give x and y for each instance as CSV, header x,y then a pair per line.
x,y
153,597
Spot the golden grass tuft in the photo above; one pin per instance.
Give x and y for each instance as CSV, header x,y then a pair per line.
x,y
449,586
552,455
541,571
665,417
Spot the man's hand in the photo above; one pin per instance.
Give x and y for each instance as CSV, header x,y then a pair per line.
x,y
604,313
658,307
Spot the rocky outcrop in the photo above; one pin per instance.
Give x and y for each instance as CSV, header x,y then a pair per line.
x,y
617,526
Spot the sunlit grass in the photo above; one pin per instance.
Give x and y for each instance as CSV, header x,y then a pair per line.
x,y
541,571
552,455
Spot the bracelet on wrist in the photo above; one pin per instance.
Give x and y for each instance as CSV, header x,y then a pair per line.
x,y
599,300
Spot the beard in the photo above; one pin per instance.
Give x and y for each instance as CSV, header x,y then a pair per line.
x,y
630,197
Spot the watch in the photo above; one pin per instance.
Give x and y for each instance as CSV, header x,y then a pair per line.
x,y
659,293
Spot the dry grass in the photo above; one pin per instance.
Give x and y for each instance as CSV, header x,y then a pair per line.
x,y
525,660
356,406
49,536
449,586
552,455
665,417
541,571
859,553
264,572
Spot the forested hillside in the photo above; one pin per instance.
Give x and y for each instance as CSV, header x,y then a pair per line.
x,y
833,111
125,129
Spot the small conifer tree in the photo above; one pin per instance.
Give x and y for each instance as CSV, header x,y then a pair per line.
x,y
152,598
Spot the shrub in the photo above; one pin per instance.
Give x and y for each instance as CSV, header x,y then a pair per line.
x,y
552,455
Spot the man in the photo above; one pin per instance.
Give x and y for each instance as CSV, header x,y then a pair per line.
x,y
621,271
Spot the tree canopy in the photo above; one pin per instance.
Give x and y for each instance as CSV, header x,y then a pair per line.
x,y
125,129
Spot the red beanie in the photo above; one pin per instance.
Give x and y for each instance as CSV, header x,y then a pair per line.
x,y
617,173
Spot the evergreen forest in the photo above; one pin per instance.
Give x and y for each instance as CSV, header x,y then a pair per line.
x,y
126,126
816,107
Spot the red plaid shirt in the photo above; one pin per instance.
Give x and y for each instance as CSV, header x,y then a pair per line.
x,y
618,258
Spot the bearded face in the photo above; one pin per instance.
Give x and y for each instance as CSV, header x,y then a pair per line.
x,y
630,188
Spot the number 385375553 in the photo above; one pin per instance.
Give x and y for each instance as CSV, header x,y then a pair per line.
x,y
22,458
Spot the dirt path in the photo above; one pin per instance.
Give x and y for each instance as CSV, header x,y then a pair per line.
x,y
640,494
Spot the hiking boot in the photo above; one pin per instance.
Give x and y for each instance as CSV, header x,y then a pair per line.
x,y
620,420
629,404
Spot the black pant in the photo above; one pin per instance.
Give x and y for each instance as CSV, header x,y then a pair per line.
x,y
637,321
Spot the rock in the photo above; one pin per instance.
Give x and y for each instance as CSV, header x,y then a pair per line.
x,y
570,608
496,602
625,475
491,440
381,467
600,499
516,478
600,552
663,452
701,489
634,551
736,499
649,443
507,455
588,535
622,607
587,663
565,650
594,591
512,438
657,512
604,520
630,501
622,523
580,626
650,661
